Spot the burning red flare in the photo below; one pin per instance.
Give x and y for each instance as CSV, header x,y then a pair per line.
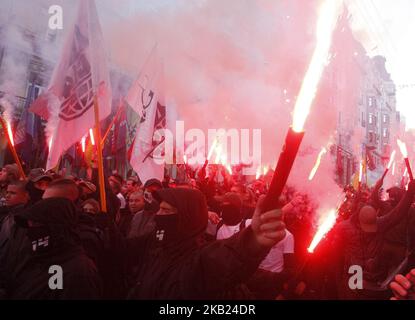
x,y
50,143
392,158
325,26
360,171
212,148
402,147
83,144
265,170
218,151
317,164
323,229
258,172
404,152
10,133
91,135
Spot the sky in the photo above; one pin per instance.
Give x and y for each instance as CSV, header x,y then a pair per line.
x,y
387,28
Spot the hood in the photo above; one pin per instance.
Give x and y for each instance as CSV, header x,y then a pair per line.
x,y
58,218
35,194
191,209
51,212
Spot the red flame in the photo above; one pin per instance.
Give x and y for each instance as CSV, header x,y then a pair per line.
x,y
10,133
360,171
212,148
392,158
326,225
91,135
325,26
83,144
50,143
402,147
317,164
258,172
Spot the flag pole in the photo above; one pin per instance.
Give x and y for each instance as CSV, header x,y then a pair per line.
x,y
98,142
12,148
117,115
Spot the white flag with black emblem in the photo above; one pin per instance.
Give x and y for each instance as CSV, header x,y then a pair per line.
x,y
80,74
147,99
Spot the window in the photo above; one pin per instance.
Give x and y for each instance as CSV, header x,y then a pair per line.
x,y
385,132
370,101
385,118
33,90
370,118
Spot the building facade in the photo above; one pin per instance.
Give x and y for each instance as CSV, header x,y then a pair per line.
x,y
365,96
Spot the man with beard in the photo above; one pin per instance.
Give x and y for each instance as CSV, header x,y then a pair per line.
x,y
46,235
175,265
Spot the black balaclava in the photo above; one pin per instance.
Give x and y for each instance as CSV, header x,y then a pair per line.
x,y
34,193
231,214
166,228
231,209
188,223
54,224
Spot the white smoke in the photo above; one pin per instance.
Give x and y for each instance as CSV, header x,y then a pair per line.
x,y
14,68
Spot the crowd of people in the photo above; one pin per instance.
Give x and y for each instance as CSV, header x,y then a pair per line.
x,y
204,236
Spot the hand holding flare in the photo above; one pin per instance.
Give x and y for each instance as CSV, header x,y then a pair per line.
x,y
325,26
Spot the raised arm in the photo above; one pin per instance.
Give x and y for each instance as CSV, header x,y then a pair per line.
x,y
374,197
224,264
392,218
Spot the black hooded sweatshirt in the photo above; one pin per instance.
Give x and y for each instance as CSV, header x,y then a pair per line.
x,y
28,269
184,268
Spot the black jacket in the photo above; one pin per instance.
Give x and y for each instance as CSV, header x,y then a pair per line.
x,y
185,269
363,248
27,270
